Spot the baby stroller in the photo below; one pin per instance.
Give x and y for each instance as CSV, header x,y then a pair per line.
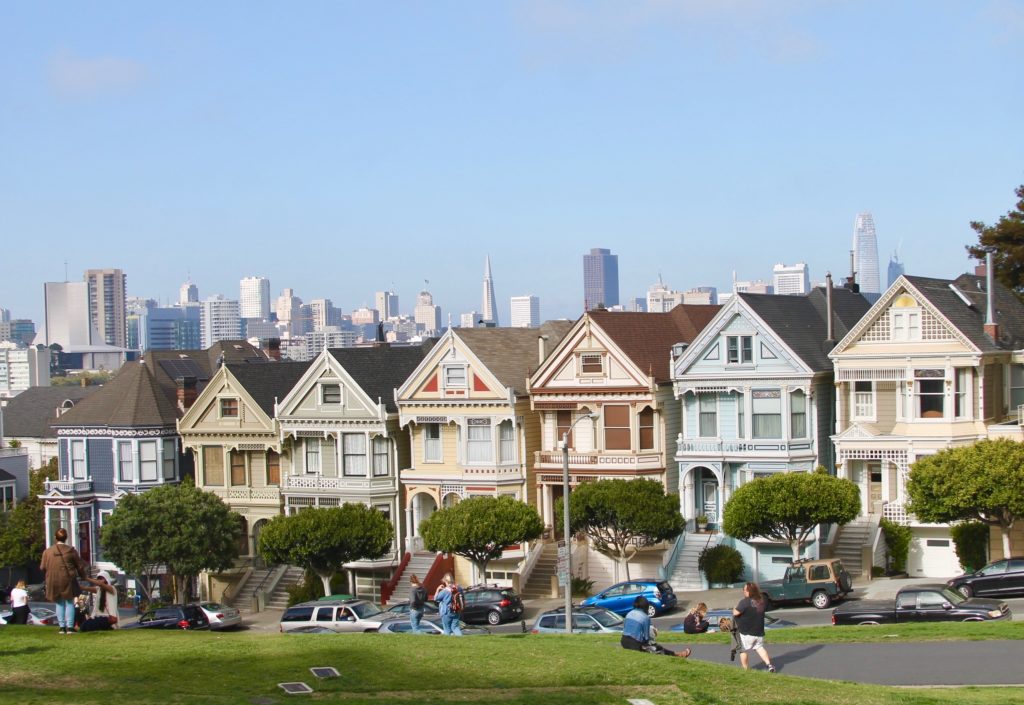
x,y
726,625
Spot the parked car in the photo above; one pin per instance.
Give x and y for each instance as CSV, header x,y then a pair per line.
x,y
713,616
402,608
820,582
172,617
922,603
619,597
1003,578
221,616
430,625
585,620
311,629
37,616
491,604
346,615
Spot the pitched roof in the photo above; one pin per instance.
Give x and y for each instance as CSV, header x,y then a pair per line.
x,y
30,413
647,338
970,319
511,354
268,383
6,476
801,321
381,369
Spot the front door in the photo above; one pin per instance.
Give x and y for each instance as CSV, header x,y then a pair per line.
x,y
874,472
709,489
85,541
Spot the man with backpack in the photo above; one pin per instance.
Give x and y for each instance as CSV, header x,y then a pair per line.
x,y
450,602
417,599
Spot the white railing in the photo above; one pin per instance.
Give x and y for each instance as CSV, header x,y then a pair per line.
x,y
494,474
526,566
668,566
897,513
633,461
268,494
319,482
69,486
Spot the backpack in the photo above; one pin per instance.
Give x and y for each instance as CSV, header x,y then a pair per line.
x,y
458,601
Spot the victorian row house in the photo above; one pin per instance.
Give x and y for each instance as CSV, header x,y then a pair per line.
x,y
755,391
935,363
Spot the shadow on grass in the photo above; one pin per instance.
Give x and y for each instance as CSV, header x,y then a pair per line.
x,y
25,650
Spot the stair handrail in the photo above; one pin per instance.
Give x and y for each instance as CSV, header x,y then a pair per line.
x,y
443,563
260,594
387,588
668,566
533,553
231,591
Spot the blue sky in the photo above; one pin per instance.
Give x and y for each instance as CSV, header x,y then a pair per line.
x,y
340,148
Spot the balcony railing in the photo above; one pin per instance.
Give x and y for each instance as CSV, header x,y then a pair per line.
x,y
760,446
335,484
270,495
69,486
897,513
605,461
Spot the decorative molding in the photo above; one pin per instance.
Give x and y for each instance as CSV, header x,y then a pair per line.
x,y
118,432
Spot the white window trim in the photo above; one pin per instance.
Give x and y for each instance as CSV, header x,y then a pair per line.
x,y
900,330
718,424
600,358
220,408
374,442
490,443
71,459
158,469
440,444
329,405
366,456
134,461
967,408
854,416
740,362
446,384
305,458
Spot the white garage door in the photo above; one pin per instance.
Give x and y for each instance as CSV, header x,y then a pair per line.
x,y
932,555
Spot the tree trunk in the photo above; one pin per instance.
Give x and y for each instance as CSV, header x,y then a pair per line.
x,y
795,546
1005,530
481,567
326,580
624,563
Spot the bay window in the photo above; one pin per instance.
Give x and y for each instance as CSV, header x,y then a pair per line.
x,y
237,468
432,443
170,451
645,421
798,414
507,442
563,425
147,461
125,462
78,460
353,454
929,393
708,411
864,401
312,455
381,457
616,427
213,466
479,446
766,413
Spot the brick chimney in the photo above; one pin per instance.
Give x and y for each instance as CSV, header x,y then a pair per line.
x,y
187,392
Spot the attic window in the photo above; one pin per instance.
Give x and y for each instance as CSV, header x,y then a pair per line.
x,y
454,376
330,394
229,408
591,364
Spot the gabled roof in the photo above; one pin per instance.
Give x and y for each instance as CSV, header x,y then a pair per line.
x,y
7,477
647,338
511,354
970,319
268,383
380,370
30,413
801,321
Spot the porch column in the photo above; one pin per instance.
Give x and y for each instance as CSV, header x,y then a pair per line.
x,y
687,497
411,528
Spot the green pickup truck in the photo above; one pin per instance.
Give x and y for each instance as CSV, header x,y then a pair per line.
x,y
820,582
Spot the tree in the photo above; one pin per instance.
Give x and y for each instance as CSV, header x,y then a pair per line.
x,y
23,529
180,527
981,482
480,528
325,539
1005,240
622,516
788,506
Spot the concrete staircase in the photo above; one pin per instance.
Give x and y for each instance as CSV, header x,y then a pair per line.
x,y
278,600
686,576
849,547
545,571
242,601
259,579
419,564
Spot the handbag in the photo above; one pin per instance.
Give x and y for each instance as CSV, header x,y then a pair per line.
x,y
76,589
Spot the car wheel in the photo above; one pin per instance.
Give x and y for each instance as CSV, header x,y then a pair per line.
x,y
966,591
820,599
652,611
868,623
493,618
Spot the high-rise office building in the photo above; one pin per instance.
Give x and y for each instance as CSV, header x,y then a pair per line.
x,y
896,269
289,311
791,278
525,312
67,314
386,303
219,320
661,299
490,312
323,314
107,311
254,298
757,286
188,294
22,367
470,320
865,254
427,314
706,295
600,279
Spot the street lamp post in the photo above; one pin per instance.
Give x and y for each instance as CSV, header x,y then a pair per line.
x,y
565,519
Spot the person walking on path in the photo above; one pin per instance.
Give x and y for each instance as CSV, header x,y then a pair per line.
x,y
63,567
749,614
19,604
696,621
417,599
636,632
448,592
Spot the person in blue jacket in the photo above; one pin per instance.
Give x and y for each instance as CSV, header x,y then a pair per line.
x,y
636,632
444,596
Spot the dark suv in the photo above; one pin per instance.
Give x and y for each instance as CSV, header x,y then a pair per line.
x,y
172,617
491,604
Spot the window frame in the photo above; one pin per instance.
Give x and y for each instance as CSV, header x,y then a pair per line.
x,y
79,465
764,394
963,386
334,391
739,350
312,450
646,426
794,414
353,460
919,398
169,460
591,360
561,428
506,442
226,405
741,414
707,417
152,463
863,408
622,434
273,465
125,460
433,447
479,449
216,452
237,463
905,324
455,383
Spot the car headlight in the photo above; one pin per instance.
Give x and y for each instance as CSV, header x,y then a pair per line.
x,y
994,613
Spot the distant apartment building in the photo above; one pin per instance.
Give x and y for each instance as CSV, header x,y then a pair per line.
x,y
22,367
164,328
758,286
386,303
701,295
288,308
331,337
600,279
525,311
428,316
661,299
323,314
470,320
792,279
67,314
219,320
19,330
254,298
107,312
365,317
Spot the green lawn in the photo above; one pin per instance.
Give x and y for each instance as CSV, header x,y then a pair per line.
x,y
136,668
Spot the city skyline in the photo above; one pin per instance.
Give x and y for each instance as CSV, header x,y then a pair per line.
x,y
541,130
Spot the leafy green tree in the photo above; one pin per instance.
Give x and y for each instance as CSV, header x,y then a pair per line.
x,y
1005,240
788,506
325,539
970,541
623,516
480,528
980,482
23,530
180,527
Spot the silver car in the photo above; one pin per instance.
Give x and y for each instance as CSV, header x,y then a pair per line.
x,y
429,625
339,615
585,620
221,616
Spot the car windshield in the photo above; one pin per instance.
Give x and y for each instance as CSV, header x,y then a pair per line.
x,y
607,619
952,596
365,609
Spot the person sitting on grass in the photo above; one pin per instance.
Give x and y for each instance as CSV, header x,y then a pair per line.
x,y
696,621
636,632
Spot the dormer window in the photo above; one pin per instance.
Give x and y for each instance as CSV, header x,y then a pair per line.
x,y
906,324
455,377
739,349
229,408
591,364
330,394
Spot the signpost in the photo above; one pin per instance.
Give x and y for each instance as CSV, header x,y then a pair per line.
x,y
563,564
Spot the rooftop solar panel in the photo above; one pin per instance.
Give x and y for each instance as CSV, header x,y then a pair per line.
x,y
183,367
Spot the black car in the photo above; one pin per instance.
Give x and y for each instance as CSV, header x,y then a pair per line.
x,y
1003,578
172,617
491,604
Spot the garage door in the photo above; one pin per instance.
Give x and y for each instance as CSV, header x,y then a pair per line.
x,y
932,555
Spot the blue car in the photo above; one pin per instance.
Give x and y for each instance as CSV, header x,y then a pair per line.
x,y
619,597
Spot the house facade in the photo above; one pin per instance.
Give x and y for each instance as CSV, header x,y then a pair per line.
x,y
614,365
756,397
28,419
935,363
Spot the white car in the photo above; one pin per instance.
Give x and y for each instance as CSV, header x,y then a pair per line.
x,y
37,616
221,616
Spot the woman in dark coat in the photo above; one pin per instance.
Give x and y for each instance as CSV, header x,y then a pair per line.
x,y
63,567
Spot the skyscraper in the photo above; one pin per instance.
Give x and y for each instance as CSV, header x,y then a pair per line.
x,y
865,254
427,314
490,313
219,320
254,298
67,314
107,314
896,269
600,279
386,303
188,293
791,278
525,312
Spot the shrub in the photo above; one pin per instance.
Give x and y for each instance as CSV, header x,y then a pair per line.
x,y
897,540
582,587
721,564
971,542
877,571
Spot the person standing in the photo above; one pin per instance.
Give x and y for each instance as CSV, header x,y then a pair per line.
x,y
749,614
19,604
63,567
696,621
636,632
447,594
417,600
